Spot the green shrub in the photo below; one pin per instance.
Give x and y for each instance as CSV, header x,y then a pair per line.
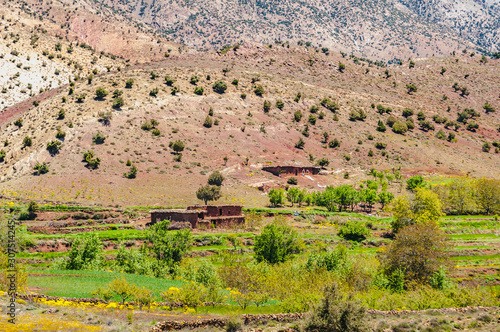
x,y
41,168
215,179
219,87
169,81
323,162
98,138
156,132
60,134
400,127
54,146
154,92
208,122
330,105
132,173
18,122
199,90
292,180
61,114
92,161
259,90
354,231
118,102
297,116
129,83
101,93
280,104
276,244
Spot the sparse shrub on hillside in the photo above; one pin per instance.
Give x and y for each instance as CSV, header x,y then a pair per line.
x,y
443,70
101,93
153,75
81,98
132,173
243,96
381,145
370,153
323,162
129,83
259,90
118,102
329,104
421,116
194,80
441,134
426,125
61,114
341,67
18,122
280,104
391,121
219,87
60,134
314,109
208,122
400,127
486,147
267,106
90,78
2,155
380,126
156,132
92,161
407,112
235,82
410,124
300,144
199,90
382,110
297,97
292,180
297,116
105,117
41,168
488,108
174,90
177,146
154,92
208,193
411,88
451,137
472,126
334,144
27,141
312,119
325,137
98,138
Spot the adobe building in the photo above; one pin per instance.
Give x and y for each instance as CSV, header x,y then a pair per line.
x,y
202,215
292,170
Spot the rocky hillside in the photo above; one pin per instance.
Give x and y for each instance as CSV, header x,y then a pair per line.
x,y
281,105
381,29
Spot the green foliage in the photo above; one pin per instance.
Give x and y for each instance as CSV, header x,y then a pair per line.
x,y
300,144
105,117
219,87
311,119
132,173
208,193
407,112
61,114
122,288
338,198
118,102
488,108
18,122
177,146
341,67
276,244
292,180
280,104
323,162
2,155
337,313
400,127
297,116
356,115
354,231
208,122
154,92
276,197
85,254
411,88
101,93
380,126
330,105
215,179
259,90
423,206
60,134
194,80
41,168
98,138
129,83
169,81
414,182
426,125
53,147
418,250
199,90
267,106
168,247
334,144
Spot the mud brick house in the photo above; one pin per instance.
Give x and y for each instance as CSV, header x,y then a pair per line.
x,y
292,170
202,215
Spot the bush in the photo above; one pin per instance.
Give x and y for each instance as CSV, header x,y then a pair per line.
x,y
259,90
267,106
132,173
219,87
407,112
85,253
334,144
330,105
381,145
2,155
297,116
60,134
391,120
337,313
53,147
177,146
276,197
300,144
380,126
426,125
414,182
18,122
208,122
118,102
472,126
354,231
105,117
156,132
275,244
292,180
167,246
215,179
194,79
154,92
169,81
99,138
400,127
129,83
419,251
61,114
199,90
41,168
92,163
100,93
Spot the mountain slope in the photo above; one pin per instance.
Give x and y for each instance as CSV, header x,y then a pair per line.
x,y
244,130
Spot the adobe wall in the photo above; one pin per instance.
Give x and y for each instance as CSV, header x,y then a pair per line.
x,y
184,216
218,210
226,221
292,170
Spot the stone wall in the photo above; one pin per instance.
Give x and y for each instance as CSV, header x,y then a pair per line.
x,y
218,210
176,215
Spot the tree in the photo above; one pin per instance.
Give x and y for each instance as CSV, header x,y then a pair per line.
x,y
220,87
27,141
323,162
385,198
337,313
416,181
293,195
208,193
53,147
381,127
276,197
488,108
423,206
85,253
177,146
41,168
215,179
101,93
276,244
418,251
168,247
132,173
118,102
92,162
488,195
341,67
267,106
300,144
208,122
122,288
259,90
